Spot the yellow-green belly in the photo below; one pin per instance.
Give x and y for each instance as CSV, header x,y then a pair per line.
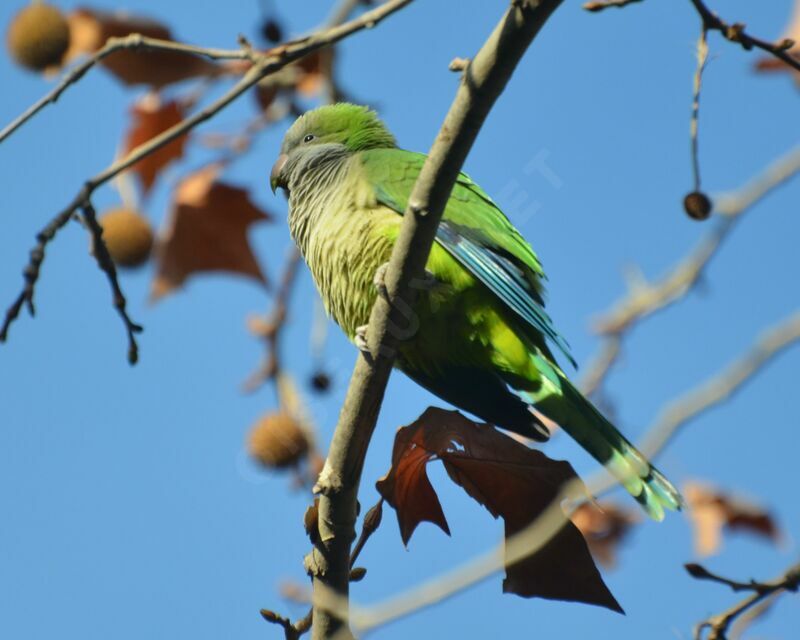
x,y
458,321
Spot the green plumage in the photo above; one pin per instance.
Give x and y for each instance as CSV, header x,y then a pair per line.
x,y
478,335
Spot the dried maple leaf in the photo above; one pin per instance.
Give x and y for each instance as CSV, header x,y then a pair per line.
x,y
151,117
605,526
90,29
316,67
712,511
509,480
206,230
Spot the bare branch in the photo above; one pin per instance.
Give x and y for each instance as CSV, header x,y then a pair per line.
x,y
106,265
746,620
718,625
263,65
271,364
31,271
736,33
372,520
291,632
720,387
482,82
133,41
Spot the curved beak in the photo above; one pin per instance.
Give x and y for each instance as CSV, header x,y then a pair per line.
x,y
275,174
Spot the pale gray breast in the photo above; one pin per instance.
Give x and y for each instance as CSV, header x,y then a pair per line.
x,y
335,228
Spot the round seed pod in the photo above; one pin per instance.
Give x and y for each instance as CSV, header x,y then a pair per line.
x,y
128,236
38,36
697,205
277,441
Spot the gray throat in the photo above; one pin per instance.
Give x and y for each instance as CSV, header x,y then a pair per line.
x,y
315,178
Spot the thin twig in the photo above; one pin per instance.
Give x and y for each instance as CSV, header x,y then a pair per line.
x,y
482,82
134,41
343,10
31,271
608,4
702,61
106,265
746,620
719,624
271,364
736,33
372,520
289,629
263,65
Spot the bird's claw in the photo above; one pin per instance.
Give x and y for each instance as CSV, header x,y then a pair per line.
x,y
379,280
360,339
427,282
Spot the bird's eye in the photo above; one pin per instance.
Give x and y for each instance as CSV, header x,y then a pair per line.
x,y
309,137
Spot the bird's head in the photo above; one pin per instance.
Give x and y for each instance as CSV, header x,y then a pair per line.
x,y
333,130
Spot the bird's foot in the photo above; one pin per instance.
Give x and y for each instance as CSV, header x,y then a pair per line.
x,y
360,339
427,282
379,280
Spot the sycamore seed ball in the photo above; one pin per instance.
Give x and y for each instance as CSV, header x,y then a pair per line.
x,y
128,236
38,36
697,205
277,441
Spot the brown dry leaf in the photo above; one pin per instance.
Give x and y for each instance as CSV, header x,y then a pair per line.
x,y
712,511
509,480
90,28
315,67
150,117
206,230
605,527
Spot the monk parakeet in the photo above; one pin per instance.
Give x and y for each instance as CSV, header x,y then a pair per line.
x,y
484,339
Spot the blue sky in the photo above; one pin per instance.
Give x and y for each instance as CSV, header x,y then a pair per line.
x,y
130,509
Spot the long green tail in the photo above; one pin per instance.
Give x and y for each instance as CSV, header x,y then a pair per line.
x,y
564,404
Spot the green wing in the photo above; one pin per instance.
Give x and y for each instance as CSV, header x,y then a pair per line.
x,y
476,233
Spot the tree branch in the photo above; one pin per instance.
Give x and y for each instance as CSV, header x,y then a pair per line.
x,y
107,266
263,65
736,33
133,41
270,329
718,625
482,82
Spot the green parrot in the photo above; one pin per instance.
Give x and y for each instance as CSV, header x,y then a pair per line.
x,y
483,341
